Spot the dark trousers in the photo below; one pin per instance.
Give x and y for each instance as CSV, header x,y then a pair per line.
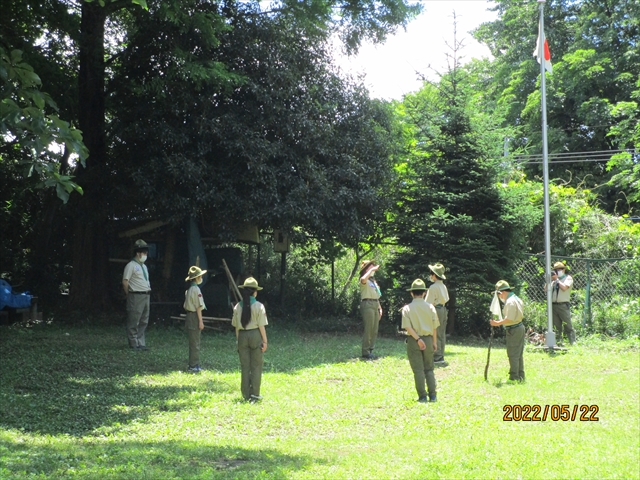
x,y
438,356
421,362
192,325
515,352
251,360
137,318
561,313
371,320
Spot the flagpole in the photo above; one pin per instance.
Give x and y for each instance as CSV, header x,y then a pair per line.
x,y
550,337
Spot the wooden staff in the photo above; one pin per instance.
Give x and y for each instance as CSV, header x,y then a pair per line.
x,y
486,368
232,282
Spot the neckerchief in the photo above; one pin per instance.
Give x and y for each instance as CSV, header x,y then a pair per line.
x,y
252,300
144,271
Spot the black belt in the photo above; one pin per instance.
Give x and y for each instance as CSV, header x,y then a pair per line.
x,y
439,306
509,327
561,303
141,293
369,299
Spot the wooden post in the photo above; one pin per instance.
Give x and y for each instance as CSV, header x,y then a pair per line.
x,y
232,282
283,267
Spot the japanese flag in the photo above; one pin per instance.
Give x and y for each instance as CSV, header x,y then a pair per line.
x,y
547,52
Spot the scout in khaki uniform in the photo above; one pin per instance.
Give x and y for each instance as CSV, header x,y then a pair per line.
x,y
561,286
135,282
512,322
370,308
438,296
420,320
249,319
194,304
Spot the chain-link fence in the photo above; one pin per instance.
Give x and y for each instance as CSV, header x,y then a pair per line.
x,y
595,281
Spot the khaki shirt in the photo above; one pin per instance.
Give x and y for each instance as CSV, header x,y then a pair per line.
x,y
513,310
437,293
193,299
421,316
369,290
138,276
258,316
559,295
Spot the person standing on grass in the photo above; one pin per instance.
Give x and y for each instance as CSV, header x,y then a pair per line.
x,y
420,320
137,288
194,304
512,314
438,296
561,286
249,320
370,307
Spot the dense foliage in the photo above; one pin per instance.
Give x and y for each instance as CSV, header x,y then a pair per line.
x,y
234,114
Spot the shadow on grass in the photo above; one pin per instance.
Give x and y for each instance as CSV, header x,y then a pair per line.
x,y
57,383
152,460
74,381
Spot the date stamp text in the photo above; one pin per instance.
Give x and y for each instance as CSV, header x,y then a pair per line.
x,y
555,413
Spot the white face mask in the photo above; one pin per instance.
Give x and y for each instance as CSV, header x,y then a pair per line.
x,y
143,258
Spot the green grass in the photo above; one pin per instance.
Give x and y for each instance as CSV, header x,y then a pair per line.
x,y
76,403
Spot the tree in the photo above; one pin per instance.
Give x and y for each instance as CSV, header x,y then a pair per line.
x,y
449,209
88,37
302,155
596,61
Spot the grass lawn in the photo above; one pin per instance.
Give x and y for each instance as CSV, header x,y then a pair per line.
x,y
76,403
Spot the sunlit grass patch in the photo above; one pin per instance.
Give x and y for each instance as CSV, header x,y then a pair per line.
x,y
84,406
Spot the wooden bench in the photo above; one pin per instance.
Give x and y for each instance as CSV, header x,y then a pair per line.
x,y
27,313
213,323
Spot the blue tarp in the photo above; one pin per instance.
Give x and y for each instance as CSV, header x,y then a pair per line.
x,y
13,300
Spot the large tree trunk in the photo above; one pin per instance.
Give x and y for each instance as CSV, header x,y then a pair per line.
x,y
90,278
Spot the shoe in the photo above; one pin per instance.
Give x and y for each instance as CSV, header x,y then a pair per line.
x,y
142,347
423,399
255,398
440,363
370,356
432,398
195,369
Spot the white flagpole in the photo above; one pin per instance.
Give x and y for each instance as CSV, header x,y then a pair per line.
x,y
550,337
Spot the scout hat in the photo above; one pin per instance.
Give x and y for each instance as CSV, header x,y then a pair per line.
x,y
140,246
250,283
558,265
438,269
194,272
366,264
417,284
502,285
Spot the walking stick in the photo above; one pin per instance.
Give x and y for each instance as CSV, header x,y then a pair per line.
x,y
495,310
486,368
232,282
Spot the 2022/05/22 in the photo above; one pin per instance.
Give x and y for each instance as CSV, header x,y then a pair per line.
x,y
555,413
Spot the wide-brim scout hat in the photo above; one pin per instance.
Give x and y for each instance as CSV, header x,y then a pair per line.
x,y
250,283
502,285
559,265
366,264
194,272
140,246
417,284
438,269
